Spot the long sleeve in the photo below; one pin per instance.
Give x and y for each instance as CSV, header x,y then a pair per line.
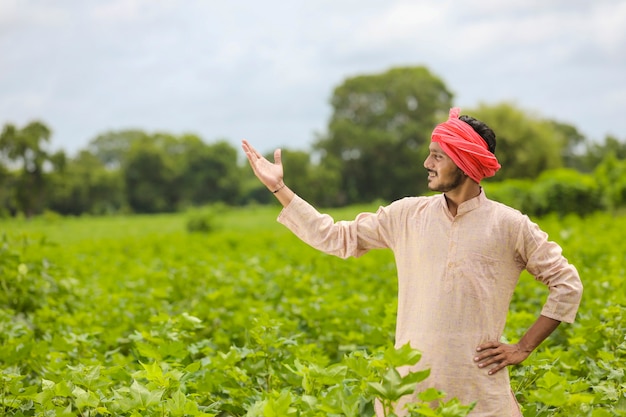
x,y
344,238
544,260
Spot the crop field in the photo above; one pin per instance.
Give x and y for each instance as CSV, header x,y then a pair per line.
x,y
137,316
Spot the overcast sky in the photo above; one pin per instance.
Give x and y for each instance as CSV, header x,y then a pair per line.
x,y
265,70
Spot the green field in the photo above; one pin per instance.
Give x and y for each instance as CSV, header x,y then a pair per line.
x,y
136,316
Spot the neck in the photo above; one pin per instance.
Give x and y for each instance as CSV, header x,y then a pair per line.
x,y
466,191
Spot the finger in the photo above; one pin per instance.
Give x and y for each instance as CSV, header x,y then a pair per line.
x,y
251,158
245,145
498,356
247,149
488,353
487,361
485,356
497,368
277,156
488,345
250,150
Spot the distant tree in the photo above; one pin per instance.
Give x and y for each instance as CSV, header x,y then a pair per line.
x,y
224,182
112,147
7,192
611,176
208,172
298,165
85,185
573,144
379,131
149,179
596,152
526,144
25,148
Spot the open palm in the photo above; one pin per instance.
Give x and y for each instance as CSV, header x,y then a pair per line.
x,y
269,173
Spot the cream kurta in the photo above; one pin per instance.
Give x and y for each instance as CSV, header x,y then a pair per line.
x,y
456,276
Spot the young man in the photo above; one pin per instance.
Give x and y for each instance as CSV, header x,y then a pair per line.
x,y
458,256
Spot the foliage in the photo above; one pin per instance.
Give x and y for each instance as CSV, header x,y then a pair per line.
x,y
560,191
377,134
204,219
149,179
526,144
135,317
26,147
595,152
86,186
566,191
374,148
611,177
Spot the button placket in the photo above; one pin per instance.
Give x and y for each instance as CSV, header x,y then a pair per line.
x,y
451,260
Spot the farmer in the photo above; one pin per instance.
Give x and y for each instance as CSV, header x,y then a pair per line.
x,y
459,256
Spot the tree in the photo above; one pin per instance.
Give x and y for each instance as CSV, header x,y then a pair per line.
x,y
112,147
26,148
379,132
526,144
85,185
595,152
7,192
573,144
611,176
208,173
149,179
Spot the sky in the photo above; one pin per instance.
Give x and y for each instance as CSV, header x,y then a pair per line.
x,y
265,70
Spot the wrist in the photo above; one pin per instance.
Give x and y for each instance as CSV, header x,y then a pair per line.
x,y
525,347
278,187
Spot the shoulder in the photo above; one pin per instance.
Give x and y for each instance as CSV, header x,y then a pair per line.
x,y
505,215
407,208
412,204
502,209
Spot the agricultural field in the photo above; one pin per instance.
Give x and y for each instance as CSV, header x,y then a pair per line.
x,y
137,316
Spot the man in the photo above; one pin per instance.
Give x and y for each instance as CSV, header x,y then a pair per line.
x,y
458,256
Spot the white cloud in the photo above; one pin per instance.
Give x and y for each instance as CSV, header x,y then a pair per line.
x,y
268,68
406,22
16,14
606,25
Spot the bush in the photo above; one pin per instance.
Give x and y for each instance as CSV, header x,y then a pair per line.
x,y
28,286
515,193
560,191
565,191
611,178
204,220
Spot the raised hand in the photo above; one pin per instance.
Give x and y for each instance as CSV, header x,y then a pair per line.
x,y
269,173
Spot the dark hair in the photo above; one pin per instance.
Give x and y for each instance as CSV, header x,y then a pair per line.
x,y
483,130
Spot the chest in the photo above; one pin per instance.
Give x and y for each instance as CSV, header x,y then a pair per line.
x,y
469,238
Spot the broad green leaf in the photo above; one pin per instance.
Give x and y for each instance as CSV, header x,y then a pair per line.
x,y
405,355
144,397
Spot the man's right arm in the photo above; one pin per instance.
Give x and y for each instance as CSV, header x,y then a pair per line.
x,y
320,231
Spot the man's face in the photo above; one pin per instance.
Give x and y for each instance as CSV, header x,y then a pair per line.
x,y
443,174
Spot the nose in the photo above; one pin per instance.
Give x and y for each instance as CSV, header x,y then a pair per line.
x,y
428,162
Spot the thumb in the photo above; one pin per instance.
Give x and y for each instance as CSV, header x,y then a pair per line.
x,y
277,157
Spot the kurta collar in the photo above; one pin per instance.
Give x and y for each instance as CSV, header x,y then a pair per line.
x,y
468,205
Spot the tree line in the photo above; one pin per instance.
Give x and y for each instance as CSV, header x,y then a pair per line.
x,y
373,149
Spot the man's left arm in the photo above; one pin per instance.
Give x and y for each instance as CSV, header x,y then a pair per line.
x,y
543,259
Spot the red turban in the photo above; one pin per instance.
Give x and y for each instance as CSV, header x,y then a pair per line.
x,y
465,147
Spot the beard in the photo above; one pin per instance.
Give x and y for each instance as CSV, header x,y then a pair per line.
x,y
456,180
